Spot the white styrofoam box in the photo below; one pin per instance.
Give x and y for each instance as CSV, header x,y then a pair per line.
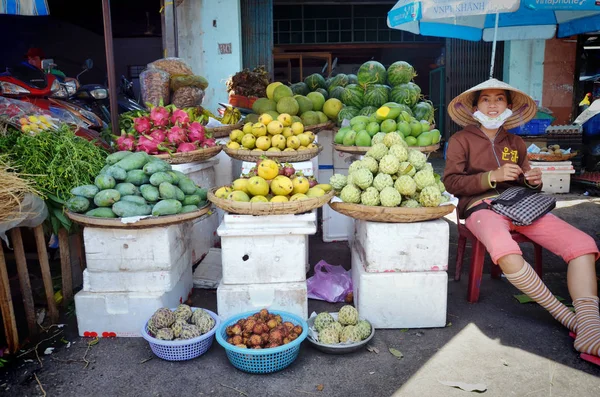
x,y
403,247
204,235
127,281
252,222
125,313
201,172
151,249
227,169
236,299
209,272
556,181
343,160
335,225
325,139
264,255
400,300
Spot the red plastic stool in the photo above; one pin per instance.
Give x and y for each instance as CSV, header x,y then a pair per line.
x,y
586,357
478,257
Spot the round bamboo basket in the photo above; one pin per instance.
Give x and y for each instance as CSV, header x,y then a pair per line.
x,y
320,127
550,157
391,214
189,157
291,207
150,221
426,149
284,157
351,149
224,131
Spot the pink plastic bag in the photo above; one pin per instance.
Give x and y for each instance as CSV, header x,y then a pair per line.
x,y
329,283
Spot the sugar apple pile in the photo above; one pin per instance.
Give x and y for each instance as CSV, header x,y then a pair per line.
x,y
391,175
182,323
347,329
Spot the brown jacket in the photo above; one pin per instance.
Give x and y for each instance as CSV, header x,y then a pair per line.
x,y
470,157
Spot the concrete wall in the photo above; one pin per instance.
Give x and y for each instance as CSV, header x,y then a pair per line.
x,y
202,26
524,66
559,72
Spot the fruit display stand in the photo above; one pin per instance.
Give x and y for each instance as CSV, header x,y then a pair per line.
x,y
193,156
134,267
287,157
365,149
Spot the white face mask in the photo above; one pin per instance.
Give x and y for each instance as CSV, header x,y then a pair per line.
x,y
492,122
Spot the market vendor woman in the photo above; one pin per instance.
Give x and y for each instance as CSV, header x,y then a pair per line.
x,y
482,160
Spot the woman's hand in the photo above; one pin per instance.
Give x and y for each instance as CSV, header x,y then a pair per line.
x,y
534,176
508,172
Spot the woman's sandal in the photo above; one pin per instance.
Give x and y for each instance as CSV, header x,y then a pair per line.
x,y
586,357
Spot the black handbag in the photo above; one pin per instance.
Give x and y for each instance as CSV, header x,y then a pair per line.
x,y
522,205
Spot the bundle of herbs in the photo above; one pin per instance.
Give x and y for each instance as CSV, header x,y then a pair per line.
x,y
56,161
13,188
249,83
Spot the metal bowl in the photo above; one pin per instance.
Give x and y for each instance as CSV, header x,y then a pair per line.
x,y
337,349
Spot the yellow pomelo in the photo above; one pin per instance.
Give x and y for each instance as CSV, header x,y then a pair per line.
x,y
240,184
285,119
258,186
249,141
263,142
297,128
268,169
223,192
279,199
282,186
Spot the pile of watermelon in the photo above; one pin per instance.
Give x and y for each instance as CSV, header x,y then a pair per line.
x,y
376,86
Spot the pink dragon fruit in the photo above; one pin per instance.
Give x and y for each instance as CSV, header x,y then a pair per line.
x,y
186,147
177,135
142,125
159,116
209,143
180,117
159,135
148,144
196,132
126,141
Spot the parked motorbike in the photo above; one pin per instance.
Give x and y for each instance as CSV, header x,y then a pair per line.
x,y
30,84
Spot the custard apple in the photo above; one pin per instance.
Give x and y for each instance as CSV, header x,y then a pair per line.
x,y
152,330
335,326
322,320
429,167
377,151
444,199
388,164
329,336
348,315
382,181
406,168
205,323
362,178
190,331
355,166
441,186
349,180
390,197
177,327
378,138
350,194
183,312
370,197
165,334
350,334
371,164
364,328
338,181
163,318
415,196
198,315
410,203
423,179
399,152
430,196
405,185
392,138
417,159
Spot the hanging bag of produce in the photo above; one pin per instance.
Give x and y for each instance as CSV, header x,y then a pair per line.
x,y
154,84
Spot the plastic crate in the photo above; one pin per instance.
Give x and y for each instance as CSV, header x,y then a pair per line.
x,y
534,127
262,361
180,350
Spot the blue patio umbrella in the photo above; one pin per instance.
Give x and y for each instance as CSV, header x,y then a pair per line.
x,y
492,20
24,7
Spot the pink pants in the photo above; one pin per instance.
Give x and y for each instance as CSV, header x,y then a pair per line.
x,y
551,232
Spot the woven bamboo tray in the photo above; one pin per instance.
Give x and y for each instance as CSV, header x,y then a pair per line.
x,y
550,157
284,157
364,149
319,127
291,207
150,221
391,214
224,131
189,157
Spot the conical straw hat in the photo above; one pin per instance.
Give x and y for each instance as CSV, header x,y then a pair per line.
x,y
523,107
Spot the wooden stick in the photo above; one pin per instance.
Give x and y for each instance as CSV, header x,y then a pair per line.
x,y
8,313
17,241
65,265
40,241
